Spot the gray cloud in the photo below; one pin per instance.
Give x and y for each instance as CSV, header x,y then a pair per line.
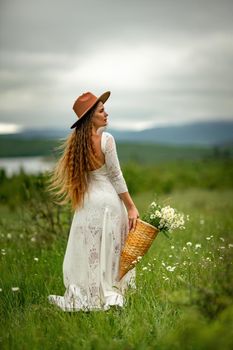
x,y
164,61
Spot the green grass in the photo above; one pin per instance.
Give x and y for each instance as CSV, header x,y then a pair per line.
x,y
189,308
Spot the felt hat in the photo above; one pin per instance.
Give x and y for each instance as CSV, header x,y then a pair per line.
x,y
85,102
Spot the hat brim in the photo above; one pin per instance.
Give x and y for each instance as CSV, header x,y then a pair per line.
x,y
103,98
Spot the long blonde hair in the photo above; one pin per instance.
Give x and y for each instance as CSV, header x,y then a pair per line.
x,y
69,178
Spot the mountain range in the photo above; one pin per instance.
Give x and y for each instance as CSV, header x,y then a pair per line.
x,y
206,133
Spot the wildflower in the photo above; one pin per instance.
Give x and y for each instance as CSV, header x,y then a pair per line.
x,y
208,238
221,257
171,268
198,245
170,256
0,289
15,289
184,248
208,259
222,239
230,245
202,221
184,262
3,251
139,257
36,259
149,264
189,243
222,247
172,246
33,239
163,264
9,235
144,268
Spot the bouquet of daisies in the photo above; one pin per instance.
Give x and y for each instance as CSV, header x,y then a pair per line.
x,y
156,219
166,218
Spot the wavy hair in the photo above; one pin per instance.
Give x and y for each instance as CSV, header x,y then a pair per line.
x,y
68,180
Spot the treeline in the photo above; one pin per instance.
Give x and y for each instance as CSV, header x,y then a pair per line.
x,y
13,147
160,178
142,153
180,174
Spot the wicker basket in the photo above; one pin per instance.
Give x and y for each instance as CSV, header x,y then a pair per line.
x,y
137,244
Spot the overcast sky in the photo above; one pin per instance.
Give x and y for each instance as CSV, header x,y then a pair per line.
x,y
163,61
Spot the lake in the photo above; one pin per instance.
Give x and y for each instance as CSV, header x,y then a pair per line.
x,y
31,165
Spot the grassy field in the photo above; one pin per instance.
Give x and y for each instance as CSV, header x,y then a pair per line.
x,y
189,308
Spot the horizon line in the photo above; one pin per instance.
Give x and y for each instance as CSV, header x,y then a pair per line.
x,y
12,128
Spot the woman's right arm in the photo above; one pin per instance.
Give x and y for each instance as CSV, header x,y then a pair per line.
x,y
133,213
118,181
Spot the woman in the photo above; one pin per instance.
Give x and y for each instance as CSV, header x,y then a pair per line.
x,y
89,175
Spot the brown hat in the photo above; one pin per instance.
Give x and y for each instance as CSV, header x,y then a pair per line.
x,y
85,102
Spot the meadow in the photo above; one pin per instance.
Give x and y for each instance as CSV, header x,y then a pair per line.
x,y
184,295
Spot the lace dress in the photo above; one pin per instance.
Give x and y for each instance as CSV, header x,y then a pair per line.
x,y
97,236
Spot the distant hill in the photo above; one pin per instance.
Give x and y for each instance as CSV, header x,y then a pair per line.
x,y
211,133
203,133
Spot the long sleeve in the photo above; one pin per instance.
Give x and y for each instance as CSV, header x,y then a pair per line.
x,y
113,166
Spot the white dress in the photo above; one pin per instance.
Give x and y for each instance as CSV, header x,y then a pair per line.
x,y
96,239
